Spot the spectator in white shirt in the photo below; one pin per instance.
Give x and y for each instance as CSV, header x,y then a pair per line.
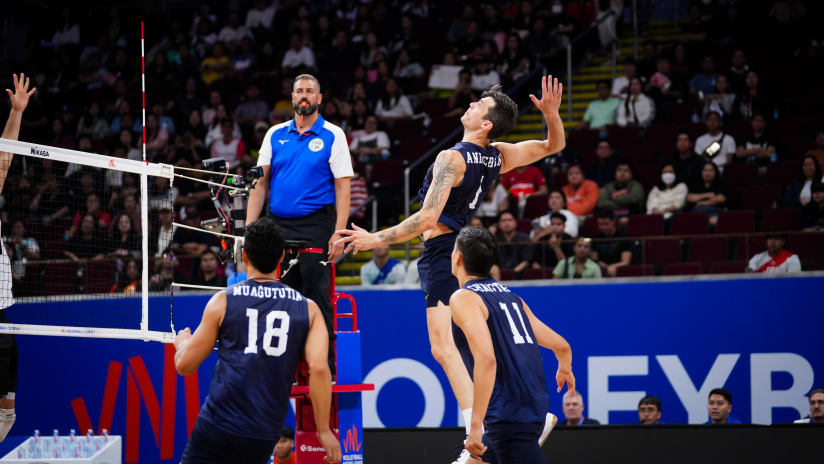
x,y
557,204
229,147
669,196
372,144
637,109
232,33
484,76
298,56
382,269
620,86
393,105
776,259
723,153
260,16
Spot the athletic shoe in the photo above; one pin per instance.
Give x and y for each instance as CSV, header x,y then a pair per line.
x,y
463,457
549,424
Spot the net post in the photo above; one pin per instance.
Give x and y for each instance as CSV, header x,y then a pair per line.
x,y
144,239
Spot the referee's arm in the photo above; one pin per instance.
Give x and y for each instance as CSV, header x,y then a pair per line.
x,y
19,101
340,163
261,191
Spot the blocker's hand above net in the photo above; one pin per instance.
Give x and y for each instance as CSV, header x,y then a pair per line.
x,y
20,96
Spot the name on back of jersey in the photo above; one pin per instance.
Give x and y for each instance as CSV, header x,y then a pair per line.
x,y
488,288
475,157
267,292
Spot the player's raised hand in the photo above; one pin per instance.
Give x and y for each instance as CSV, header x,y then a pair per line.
x,y
565,376
358,239
330,442
552,92
20,96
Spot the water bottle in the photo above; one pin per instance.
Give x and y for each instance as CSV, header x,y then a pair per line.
x,y
35,445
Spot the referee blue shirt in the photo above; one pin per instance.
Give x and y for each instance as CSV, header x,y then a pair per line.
x,y
304,166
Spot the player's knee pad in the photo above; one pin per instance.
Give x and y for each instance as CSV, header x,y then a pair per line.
x,y
7,418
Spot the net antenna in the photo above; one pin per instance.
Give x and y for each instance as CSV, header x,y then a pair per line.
x,y
121,304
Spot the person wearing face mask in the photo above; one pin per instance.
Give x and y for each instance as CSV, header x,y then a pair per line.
x,y
669,196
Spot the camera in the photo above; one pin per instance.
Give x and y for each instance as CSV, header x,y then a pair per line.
x,y
214,164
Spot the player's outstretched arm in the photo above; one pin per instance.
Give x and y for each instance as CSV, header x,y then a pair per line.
x,y
550,339
447,172
193,349
19,100
316,352
469,313
518,154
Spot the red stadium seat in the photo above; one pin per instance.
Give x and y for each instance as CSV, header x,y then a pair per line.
x,y
537,274
60,278
648,175
760,197
589,228
690,224
645,225
388,172
781,173
728,267
736,222
507,274
524,225
100,276
640,155
749,246
780,219
707,250
807,245
405,129
637,270
816,265
683,269
659,252
536,205
583,141
661,137
740,176
622,138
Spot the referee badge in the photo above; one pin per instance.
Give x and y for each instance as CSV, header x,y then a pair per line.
x,y
316,144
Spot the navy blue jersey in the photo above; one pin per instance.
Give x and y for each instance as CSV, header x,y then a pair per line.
x,y
260,343
520,393
483,165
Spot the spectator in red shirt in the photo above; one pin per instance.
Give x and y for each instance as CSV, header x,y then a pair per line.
x,y
358,193
104,220
581,194
230,148
523,182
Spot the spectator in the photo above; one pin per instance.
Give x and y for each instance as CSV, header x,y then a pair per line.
x,y
708,194
687,164
213,67
557,204
233,32
818,150
253,109
164,272
514,62
125,241
637,109
358,193
92,124
495,201
50,201
484,77
816,415
716,144
166,230
603,171
664,85
681,64
581,194
393,105
59,136
463,95
580,265
523,182
514,251
406,67
208,275
704,82
243,60
758,148
104,220
573,406
130,281
649,410
812,216
260,16
21,248
624,195
697,26
603,111
283,448
799,192
753,99
670,194
775,259
215,131
382,269
620,85
738,71
558,244
612,252
721,100
229,147
187,241
372,144
131,207
86,244
298,58
157,139
719,406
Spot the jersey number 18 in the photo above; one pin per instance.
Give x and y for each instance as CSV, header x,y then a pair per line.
x,y
281,333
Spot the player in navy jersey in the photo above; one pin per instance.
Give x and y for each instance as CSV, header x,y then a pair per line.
x,y
510,397
453,188
262,328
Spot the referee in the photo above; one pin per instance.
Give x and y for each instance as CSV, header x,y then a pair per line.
x,y
306,178
8,346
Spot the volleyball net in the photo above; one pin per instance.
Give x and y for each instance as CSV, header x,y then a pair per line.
x,y
86,238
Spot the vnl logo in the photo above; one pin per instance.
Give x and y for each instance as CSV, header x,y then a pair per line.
x,y
139,386
351,442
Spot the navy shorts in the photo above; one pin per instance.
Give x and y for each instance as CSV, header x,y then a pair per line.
x,y
210,445
513,443
435,269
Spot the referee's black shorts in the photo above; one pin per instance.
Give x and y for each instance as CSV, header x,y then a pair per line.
x,y
8,361
210,445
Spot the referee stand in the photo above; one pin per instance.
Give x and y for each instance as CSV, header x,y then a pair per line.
x,y
345,415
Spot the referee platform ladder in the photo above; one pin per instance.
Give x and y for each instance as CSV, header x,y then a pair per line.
x,y
345,416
